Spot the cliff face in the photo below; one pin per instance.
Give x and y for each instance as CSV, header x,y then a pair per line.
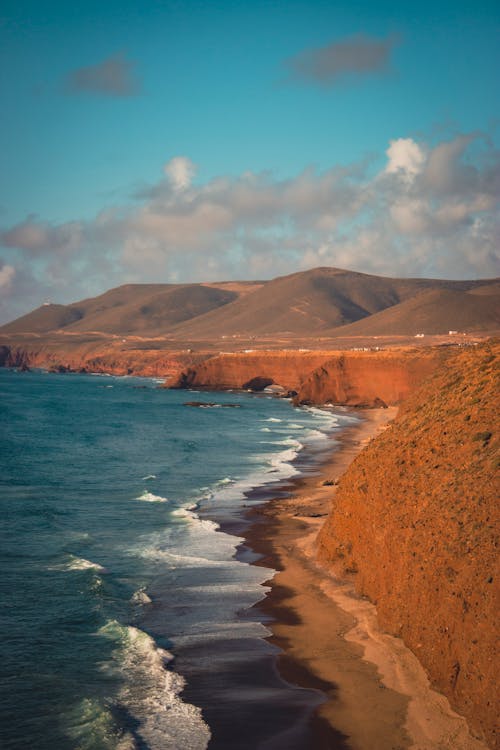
x,y
353,378
415,522
235,370
367,378
94,356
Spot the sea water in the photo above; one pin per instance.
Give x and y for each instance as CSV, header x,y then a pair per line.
x,y
119,591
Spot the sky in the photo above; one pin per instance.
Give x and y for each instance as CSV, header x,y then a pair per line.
x,y
181,140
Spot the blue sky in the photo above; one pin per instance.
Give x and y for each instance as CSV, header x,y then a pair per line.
x,y
277,120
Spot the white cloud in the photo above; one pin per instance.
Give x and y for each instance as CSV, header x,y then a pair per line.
x,y
35,236
180,171
7,274
430,211
405,157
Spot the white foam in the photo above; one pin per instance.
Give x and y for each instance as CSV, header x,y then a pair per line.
x,y
265,429
149,476
315,435
182,513
273,419
186,561
79,563
151,692
148,497
226,480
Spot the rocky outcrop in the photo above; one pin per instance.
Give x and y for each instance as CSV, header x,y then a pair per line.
x,y
242,369
415,522
60,354
368,378
353,378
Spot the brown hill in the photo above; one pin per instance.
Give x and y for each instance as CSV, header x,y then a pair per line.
x,y
143,309
310,302
44,319
415,521
435,311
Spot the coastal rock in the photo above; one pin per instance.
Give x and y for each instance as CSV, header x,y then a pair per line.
x,y
365,379
258,383
239,369
415,521
368,379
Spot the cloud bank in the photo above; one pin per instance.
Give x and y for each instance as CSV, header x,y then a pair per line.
x,y
428,211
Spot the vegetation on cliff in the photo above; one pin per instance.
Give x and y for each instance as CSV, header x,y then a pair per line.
x,y
415,522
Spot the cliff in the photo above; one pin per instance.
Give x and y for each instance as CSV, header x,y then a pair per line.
x,y
414,521
352,378
96,355
369,378
237,370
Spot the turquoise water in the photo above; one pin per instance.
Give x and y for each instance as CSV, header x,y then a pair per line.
x,y
111,562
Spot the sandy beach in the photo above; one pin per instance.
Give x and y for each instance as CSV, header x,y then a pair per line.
x,y
377,696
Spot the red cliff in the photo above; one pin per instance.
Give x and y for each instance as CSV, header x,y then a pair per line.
x,y
415,521
352,378
236,370
368,378
96,355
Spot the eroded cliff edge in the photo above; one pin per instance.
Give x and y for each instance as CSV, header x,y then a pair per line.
x,y
372,378
415,522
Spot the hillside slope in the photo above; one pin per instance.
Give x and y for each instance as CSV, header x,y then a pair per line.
x,y
314,302
141,309
435,311
311,302
415,521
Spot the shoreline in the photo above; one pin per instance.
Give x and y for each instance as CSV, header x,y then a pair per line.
x,y
376,693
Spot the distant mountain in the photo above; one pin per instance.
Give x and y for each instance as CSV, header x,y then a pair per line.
x,y
316,302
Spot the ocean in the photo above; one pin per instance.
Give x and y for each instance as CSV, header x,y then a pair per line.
x,y
129,618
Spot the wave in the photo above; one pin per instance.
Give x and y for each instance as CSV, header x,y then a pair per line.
x,y
272,419
149,476
150,693
226,480
79,563
148,497
90,724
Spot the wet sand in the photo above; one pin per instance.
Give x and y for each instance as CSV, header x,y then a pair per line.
x,y
376,694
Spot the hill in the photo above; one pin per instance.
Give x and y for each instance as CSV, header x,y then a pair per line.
x,y
315,302
142,309
435,311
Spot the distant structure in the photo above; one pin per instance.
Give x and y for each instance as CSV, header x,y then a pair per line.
x,y
47,301
419,335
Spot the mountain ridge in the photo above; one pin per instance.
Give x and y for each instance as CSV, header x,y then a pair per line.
x,y
316,301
